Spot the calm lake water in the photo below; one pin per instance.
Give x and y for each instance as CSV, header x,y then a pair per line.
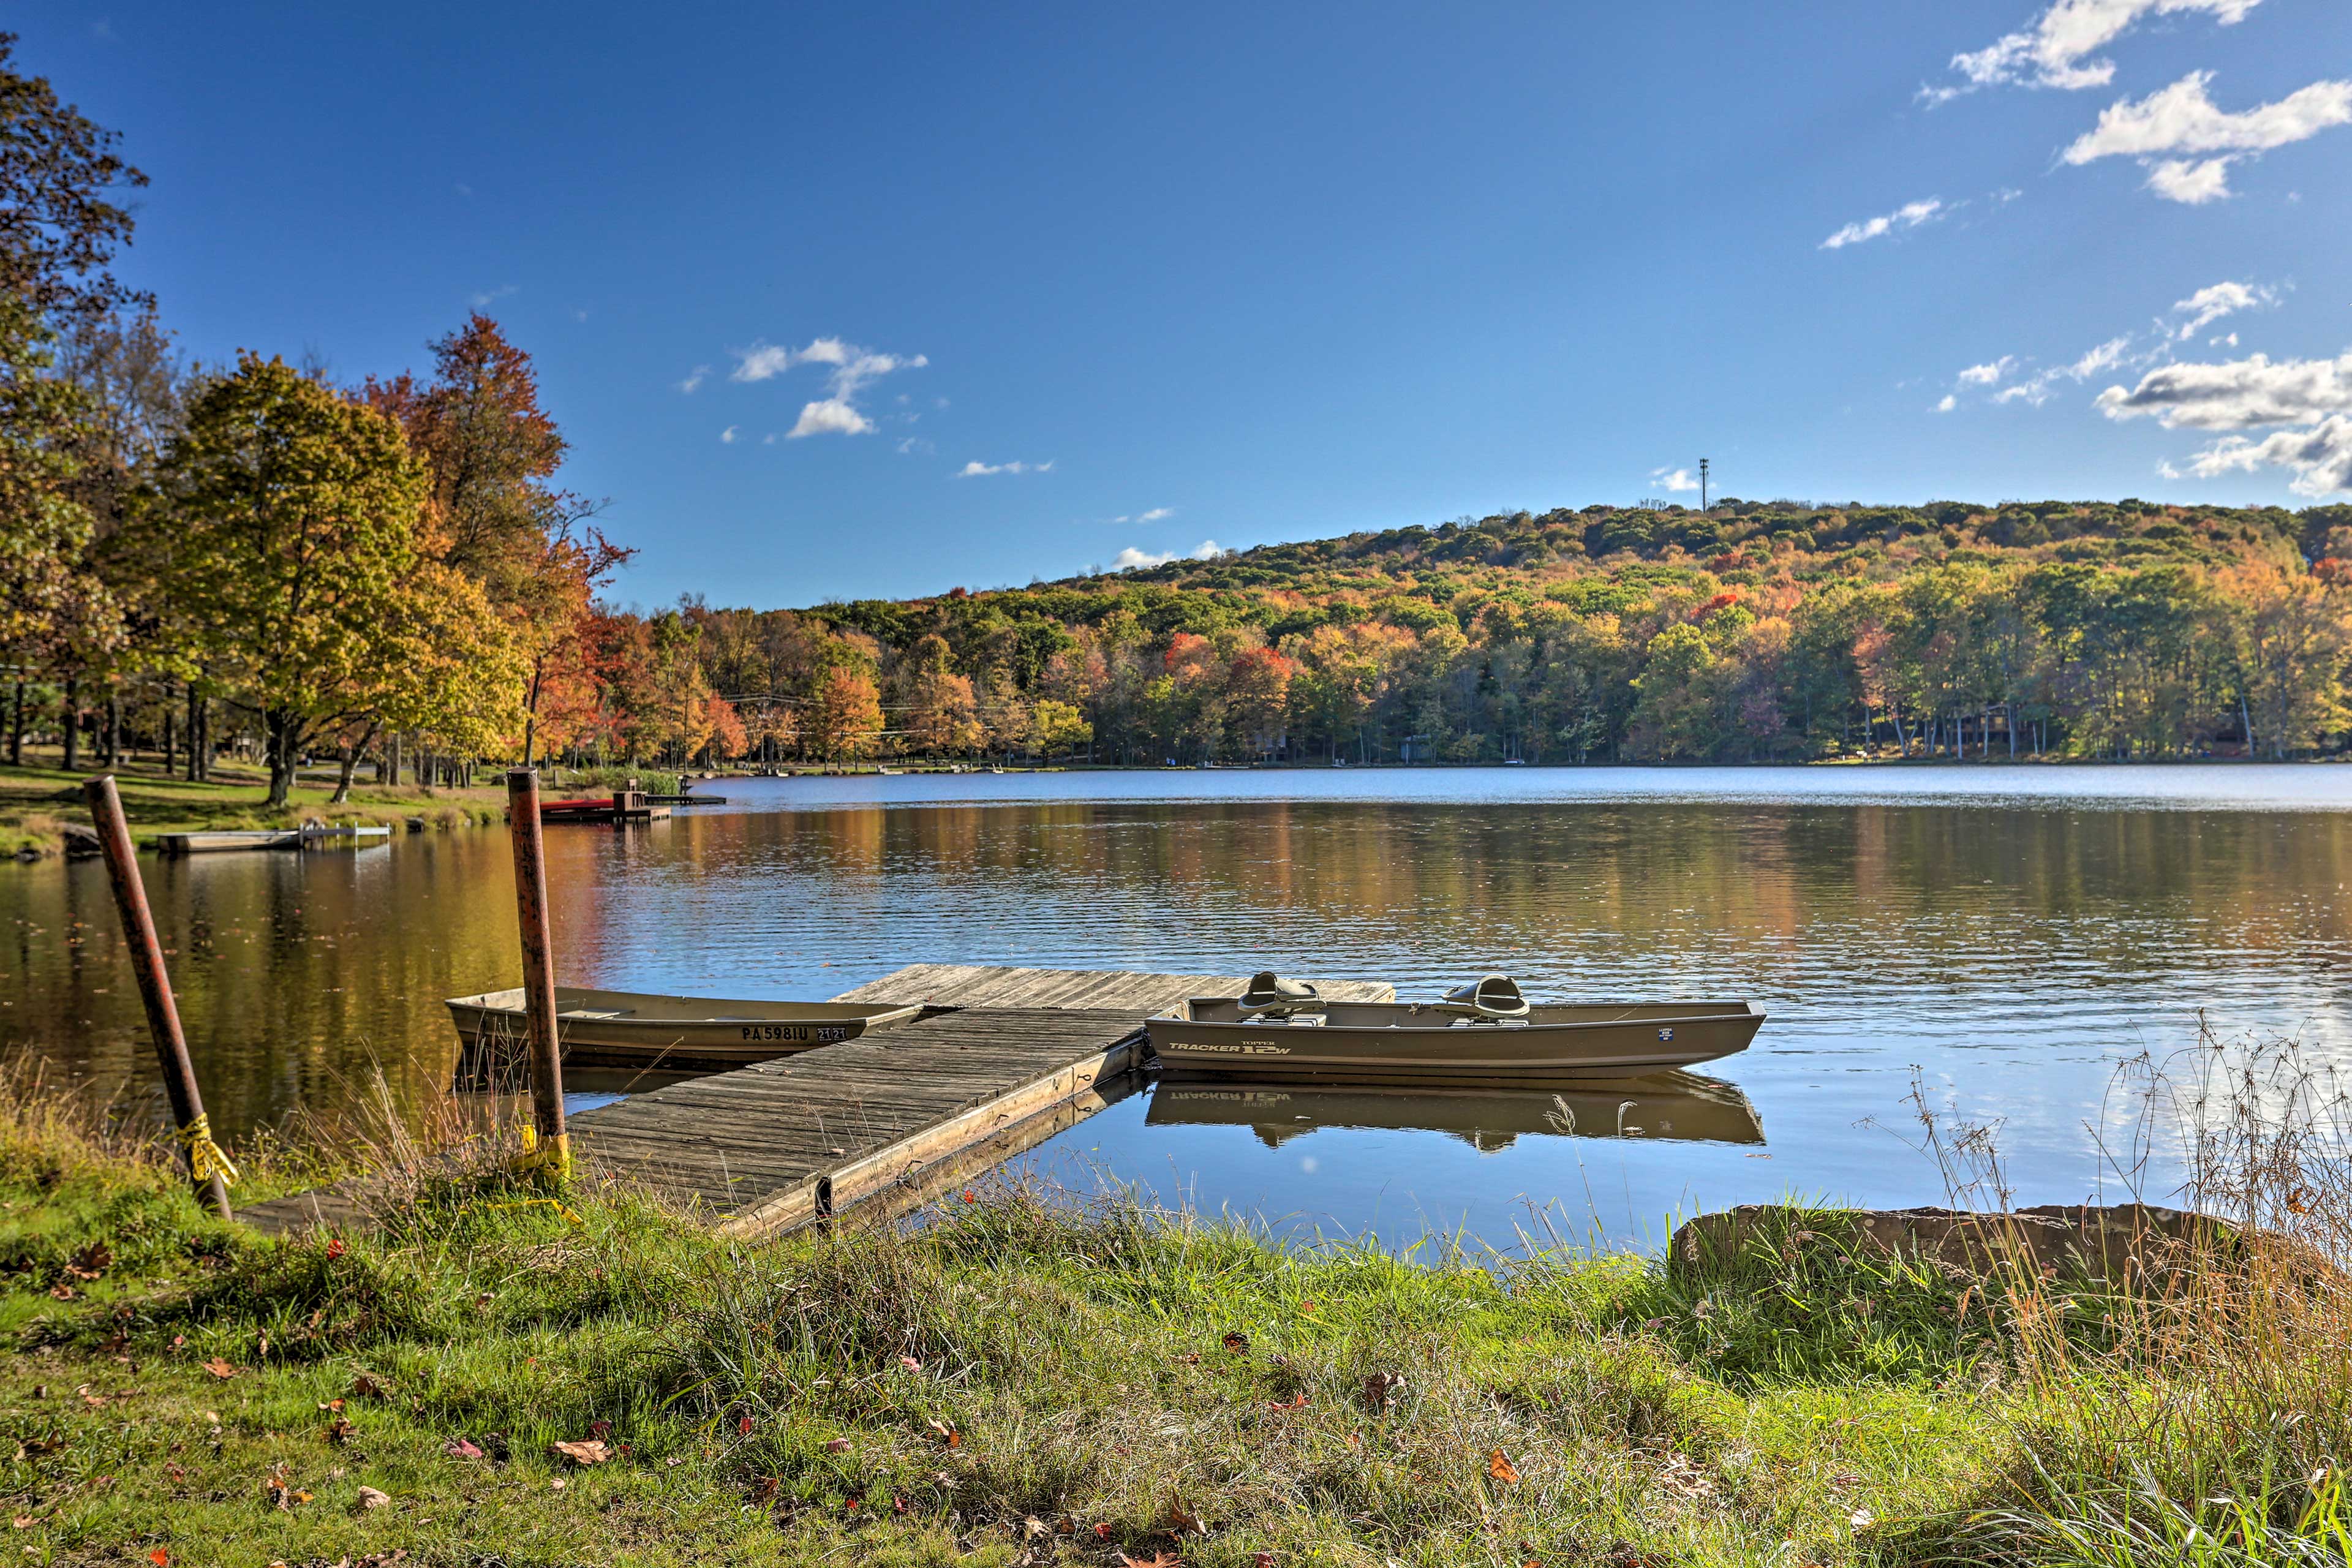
x,y
2003,936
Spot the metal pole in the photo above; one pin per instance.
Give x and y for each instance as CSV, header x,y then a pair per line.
x,y
208,1168
550,1147
1702,484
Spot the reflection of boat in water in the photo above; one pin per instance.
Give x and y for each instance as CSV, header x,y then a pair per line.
x,y
1481,1033
628,1029
1682,1106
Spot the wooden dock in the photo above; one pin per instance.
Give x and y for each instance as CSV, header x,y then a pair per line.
x,y
903,1112
1012,1057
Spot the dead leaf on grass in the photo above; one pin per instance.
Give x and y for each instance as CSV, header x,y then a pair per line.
x,y
459,1448
1236,1341
591,1452
220,1368
366,1386
1501,1467
371,1497
91,1262
837,1446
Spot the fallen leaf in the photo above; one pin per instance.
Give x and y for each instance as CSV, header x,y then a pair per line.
x,y
556,1485
371,1497
910,1363
334,1246
62,1291
1102,1531
1183,1520
461,1449
837,1446
1189,1358
339,1430
591,1452
175,1472
1156,1560
89,1262
332,1404
744,1427
675,1460
366,1386
220,1368
23,1521
1236,1341
159,1557
1500,1467
1263,1560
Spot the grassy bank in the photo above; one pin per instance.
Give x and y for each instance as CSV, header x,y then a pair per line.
x,y
36,803
1021,1381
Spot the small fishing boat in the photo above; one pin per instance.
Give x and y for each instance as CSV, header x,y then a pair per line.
x,y
1485,1032
1679,1106
629,1028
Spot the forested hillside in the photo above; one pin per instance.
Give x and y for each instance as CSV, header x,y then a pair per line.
x,y
1754,631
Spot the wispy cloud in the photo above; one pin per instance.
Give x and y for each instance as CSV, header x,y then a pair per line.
x,y
1910,216
1158,515
1207,549
853,370
727,437
483,298
2132,350
1674,479
976,469
2056,48
695,378
2183,118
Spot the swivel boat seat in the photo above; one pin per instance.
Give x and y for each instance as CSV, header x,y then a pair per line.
x,y
1495,999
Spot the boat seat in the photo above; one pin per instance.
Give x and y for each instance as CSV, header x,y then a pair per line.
x,y
1492,1000
1271,995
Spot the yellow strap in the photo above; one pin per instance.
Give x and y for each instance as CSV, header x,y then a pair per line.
x,y
206,1158
555,1156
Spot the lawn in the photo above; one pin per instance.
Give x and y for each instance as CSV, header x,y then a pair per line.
x,y
36,801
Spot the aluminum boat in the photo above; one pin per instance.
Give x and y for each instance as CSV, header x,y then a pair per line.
x,y
629,1028
1485,1032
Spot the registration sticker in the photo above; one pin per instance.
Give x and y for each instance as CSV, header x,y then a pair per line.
x,y
1665,1033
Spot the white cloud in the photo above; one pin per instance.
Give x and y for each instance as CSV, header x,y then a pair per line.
x,y
2182,118
976,469
2209,304
2319,456
694,378
2055,49
829,416
1674,480
1987,375
1910,216
1947,405
2245,394
769,439
1157,515
2235,394
483,298
727,437
854,368
1207,549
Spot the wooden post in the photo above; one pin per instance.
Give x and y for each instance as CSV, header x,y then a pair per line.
x,y
208,1168
549,1146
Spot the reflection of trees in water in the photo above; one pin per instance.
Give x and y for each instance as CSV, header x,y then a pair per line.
x,y
296,974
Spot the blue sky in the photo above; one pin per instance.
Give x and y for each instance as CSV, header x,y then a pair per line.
x,y
1245,273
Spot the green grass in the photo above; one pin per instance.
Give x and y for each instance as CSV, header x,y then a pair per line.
x,y
35,802
1012,1380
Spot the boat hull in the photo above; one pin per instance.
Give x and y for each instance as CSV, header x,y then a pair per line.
x,y
1407,1043
634,1030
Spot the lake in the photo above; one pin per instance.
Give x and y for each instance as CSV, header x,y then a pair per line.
x,y
2003,937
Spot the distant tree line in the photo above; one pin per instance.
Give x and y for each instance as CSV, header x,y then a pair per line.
x,y
1755,632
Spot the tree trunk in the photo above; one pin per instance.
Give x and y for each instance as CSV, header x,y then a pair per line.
x,y
17,728
278,732
392,757
171,747
111,740
350,762
73,724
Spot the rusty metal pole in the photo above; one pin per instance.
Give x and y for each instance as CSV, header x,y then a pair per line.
x,y
208,1168
549,1146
